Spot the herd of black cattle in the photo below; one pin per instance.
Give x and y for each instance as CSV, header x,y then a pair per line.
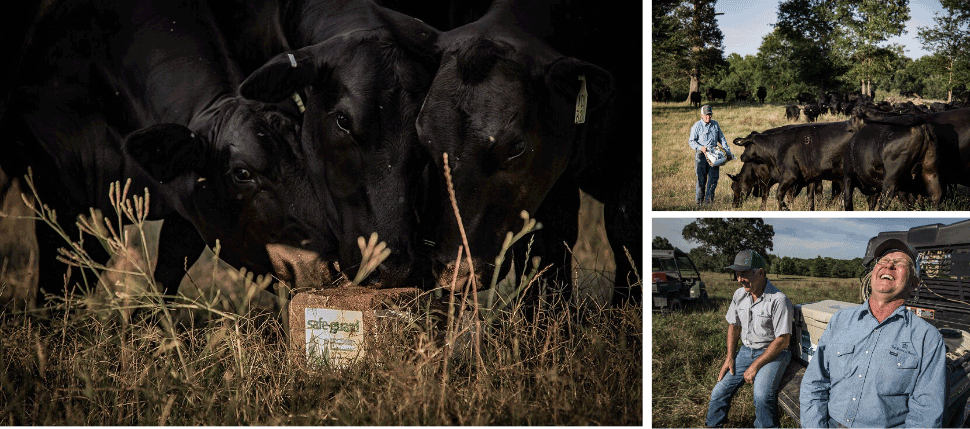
x,y
310,123
886,150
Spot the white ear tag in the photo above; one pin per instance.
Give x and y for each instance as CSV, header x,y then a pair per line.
x,y
292,60
581,101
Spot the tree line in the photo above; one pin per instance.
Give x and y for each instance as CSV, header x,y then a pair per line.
x,y
815,46
720,240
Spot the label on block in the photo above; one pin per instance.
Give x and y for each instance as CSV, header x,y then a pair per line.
x,y
334,337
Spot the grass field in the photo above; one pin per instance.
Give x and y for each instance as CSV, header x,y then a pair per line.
x,y
219,354
674,178
689,348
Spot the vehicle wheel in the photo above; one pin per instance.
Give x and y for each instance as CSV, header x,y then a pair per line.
x,y
704,300
675,305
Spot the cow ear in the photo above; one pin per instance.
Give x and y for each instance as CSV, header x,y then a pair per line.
x,y
563,77
165,151
284,75
412,33
742,141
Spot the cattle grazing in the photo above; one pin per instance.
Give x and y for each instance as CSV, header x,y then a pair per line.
x,y
812,112
695,99
742,95
889,155
762,93
798,155
805,98
753,179
661,94
791,112
713,94
364,71
503,106
218,167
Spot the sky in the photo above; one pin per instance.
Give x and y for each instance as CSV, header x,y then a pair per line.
x,y
746,22
839,238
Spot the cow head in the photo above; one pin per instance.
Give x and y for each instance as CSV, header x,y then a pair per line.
x,y
363,90
749,181
243,182
506,116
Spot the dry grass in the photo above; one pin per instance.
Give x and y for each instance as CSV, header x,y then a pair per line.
x,y
218,355
682,381
674,178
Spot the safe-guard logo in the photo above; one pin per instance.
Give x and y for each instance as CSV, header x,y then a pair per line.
x,y
333,327
333,336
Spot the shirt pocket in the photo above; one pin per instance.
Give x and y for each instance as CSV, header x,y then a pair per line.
x,y
840,364
763,325
896,376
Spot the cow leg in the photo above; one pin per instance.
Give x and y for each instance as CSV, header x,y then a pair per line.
x,y
812,191
783,188
179,246
624,229
847,193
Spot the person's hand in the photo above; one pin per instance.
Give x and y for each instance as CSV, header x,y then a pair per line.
x,y
704,149
728,366
750,373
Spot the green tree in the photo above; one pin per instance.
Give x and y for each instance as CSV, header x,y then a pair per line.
x,y
808,28
819,267
949,39
863,25
687,43
662,243
727,237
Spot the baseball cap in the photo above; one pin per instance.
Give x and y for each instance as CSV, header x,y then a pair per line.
x,y
706,110
896,245
746,260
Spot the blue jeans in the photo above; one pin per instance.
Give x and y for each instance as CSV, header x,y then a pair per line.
x,y
765,389
706,179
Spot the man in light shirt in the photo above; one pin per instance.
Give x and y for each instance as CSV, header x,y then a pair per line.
x,y
706,135
878,364
760,317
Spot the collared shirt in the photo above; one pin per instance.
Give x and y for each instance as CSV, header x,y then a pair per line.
x,y
871,374
763,320
707,135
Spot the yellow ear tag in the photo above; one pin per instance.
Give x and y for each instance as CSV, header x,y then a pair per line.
x,y
581,101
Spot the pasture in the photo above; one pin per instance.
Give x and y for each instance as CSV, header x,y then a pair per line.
x,y
689,348
674,178
218,354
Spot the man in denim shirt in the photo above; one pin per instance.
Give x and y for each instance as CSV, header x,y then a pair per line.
x,y
878,364
704,136
760,316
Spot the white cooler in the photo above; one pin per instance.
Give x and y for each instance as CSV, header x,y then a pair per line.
x,y
815,317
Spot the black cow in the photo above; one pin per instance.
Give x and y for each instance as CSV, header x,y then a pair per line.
x,y
695,99
217,167
713,94
666,95
791,112
805,97
364,70
742,95
762,93
753,179
508,111
889,155
799,155
812,112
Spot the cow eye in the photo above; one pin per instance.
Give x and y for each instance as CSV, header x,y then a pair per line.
x,y
517,148
343,122
242,174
